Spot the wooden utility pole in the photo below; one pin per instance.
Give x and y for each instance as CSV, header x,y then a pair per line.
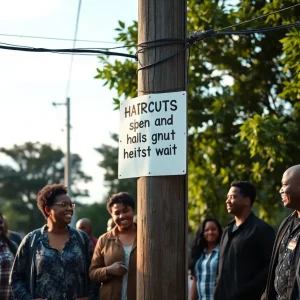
x,y
162,200
68,158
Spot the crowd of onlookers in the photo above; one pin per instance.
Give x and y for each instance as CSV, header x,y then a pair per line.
x,y
247,261
243,262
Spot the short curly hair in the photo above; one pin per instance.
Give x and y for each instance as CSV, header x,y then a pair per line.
x,y
47,196
122,197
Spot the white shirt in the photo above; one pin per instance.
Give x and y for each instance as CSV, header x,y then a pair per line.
x,y
127,250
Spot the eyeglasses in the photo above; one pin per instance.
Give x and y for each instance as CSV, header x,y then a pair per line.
x,y
66,205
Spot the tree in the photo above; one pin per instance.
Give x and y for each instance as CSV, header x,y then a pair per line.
x,y
243,102
34,166
16,213
109,163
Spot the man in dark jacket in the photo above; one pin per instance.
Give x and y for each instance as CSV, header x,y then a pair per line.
x,y
284,267
245,248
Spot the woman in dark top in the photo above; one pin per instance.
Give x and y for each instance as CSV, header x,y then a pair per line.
x,y
52,262
204,259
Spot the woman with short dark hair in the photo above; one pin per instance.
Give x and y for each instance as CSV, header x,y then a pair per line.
x,y
114,260
52,262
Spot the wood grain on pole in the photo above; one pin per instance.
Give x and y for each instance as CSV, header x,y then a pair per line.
x,y
162,200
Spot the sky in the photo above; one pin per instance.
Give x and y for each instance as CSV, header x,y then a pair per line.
x,y
31,82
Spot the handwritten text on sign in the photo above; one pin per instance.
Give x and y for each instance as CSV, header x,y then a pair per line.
x,y
152,139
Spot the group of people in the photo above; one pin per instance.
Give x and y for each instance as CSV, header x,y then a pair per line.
x,y
57,262
246,261
233,264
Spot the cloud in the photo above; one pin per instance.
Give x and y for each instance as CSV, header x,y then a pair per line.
x,y
12,10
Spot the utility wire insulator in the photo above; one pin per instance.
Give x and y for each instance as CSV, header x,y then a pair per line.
x,y
201,35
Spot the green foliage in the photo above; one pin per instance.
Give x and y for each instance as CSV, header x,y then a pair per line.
x,y
291,47
243,103
109,163
17,213
34,166
115,74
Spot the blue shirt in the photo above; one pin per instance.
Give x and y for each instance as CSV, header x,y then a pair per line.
x,y
58,276
205,272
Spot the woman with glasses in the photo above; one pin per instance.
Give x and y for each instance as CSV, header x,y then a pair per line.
x,y
52,262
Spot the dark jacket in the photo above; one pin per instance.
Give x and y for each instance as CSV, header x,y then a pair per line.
x,y
13,247
30,260
244,260
15,237
270,293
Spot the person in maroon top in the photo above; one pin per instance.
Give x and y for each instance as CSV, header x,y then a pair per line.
x,y
85,225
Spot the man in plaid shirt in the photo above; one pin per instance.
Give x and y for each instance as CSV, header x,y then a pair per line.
x,y
7,252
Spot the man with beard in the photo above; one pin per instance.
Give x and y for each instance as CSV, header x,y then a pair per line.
x,y
284,267
245,248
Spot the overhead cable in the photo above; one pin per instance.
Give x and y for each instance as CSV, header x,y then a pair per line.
x,y
75,51
202,35
55,38
260,17
74,43
142,47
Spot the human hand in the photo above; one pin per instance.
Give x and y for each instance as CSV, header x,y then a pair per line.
x,y
84,298
117,269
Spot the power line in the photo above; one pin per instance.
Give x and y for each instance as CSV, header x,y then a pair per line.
x,y
142,44
55,38
194,37
202,35
68,166
199,36
79,51
258,30
260,17
74,43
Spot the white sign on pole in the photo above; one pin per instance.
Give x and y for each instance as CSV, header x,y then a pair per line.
x,y
153,134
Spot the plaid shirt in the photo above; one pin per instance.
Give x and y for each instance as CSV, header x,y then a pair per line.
x,y
6,262
205,271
